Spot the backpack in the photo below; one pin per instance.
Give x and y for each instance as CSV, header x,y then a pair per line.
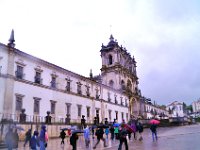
x,y
140,127
99,132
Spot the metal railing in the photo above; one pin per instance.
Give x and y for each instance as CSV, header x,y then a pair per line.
x,y
36,119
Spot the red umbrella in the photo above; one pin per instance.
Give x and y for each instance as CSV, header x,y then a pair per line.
x,y
128,127
154,121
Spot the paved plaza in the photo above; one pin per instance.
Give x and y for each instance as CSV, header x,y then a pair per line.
x,y
174,138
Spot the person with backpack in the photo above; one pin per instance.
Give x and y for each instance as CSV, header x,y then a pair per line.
x,y
139,127
122,137
99,133
62,136
73,140
34,142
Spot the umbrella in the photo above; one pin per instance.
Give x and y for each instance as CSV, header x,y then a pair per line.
x,y
154,121
19,128
128,127
103,126
65,129
74,128
77,131
116,125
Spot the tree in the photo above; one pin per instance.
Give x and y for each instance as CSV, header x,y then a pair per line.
x,y
189,108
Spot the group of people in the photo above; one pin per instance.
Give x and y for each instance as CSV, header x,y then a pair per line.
x,y
36,141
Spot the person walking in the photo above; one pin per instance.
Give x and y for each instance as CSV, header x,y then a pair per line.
x,y
43,138
107,132
139,127
73,140
92,132
112,132
99,133
62,136
87,136
9,139
153,129
122,137
34,142
15,139
116,132
28,137
134,128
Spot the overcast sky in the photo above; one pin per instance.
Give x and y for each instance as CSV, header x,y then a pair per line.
x,y
163,36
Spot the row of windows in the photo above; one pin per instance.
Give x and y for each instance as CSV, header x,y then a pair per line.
x,y
37,79
36,108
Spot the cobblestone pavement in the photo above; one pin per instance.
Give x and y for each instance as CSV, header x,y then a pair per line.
x,y
174,138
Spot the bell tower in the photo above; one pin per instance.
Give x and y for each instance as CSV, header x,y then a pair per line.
x,y
118,67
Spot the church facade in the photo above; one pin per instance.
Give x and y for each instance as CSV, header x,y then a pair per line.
x,y
37,87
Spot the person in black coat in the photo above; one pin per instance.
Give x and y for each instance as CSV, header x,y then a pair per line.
x,y
112,132
62,136
153,129
73,140
122,137
99,133
28,137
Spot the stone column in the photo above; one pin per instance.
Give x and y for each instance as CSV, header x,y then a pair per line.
x,y
9,84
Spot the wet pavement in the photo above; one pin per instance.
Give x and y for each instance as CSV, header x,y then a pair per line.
x,y
173,138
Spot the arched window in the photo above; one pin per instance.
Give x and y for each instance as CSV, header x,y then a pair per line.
x,y
123,84
111,83
129,85
110,60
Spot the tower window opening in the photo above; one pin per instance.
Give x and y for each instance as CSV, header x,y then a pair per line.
x,y
110,60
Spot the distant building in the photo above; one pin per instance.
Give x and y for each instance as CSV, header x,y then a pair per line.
x,y
38,86
196,106
150,110
176,109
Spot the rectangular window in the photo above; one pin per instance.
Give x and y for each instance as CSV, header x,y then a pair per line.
x,y
126,104
88,91
79,89
126,116
18,103
122,115
36,105
68,86
19,73
79,110
38,77
53,82
68,108
53,107
88,112
116,115
116,102
122,103
109,99
97,94
97,112
109,115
